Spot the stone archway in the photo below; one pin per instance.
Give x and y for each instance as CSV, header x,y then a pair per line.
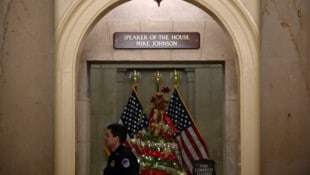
x,y
69,36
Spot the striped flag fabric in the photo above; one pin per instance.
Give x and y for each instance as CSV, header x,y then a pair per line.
x,y
192,146
133,118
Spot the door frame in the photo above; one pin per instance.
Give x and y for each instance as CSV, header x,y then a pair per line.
x,y
79,18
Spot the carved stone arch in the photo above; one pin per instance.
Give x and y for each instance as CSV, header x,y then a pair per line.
x,y
73,27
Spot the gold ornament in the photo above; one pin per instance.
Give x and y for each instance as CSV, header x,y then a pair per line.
x,y
143,144
133,141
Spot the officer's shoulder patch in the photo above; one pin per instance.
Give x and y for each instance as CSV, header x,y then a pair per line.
x,y
125,162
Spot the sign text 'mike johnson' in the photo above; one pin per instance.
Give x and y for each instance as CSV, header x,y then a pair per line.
x,y
156,40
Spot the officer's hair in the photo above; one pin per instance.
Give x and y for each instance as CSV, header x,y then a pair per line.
x,y
118,130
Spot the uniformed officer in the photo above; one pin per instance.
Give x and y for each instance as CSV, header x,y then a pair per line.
x,y
121,161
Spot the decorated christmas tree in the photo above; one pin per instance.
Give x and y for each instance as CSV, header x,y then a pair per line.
x,y
164,138
159,153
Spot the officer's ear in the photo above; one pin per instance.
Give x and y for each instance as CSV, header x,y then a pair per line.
x,y
117,137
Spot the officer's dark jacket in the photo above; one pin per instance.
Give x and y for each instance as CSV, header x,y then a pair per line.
x,y
122,162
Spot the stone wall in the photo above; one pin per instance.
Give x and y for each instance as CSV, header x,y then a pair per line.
x,y
27,87
285,87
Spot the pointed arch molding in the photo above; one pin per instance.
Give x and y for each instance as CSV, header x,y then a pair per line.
x,y
75,23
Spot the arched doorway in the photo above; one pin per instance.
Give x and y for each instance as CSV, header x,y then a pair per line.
x,y
70,34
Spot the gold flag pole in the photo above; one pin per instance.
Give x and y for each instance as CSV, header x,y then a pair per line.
x,y
135,77
175,75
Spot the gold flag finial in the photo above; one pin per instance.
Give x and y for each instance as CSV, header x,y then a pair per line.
x,y
175,75
158,77
135,76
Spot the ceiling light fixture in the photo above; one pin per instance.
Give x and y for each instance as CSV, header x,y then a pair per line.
x,y
158,2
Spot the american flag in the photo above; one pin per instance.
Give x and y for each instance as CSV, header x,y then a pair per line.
x,y
192,145
133,117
